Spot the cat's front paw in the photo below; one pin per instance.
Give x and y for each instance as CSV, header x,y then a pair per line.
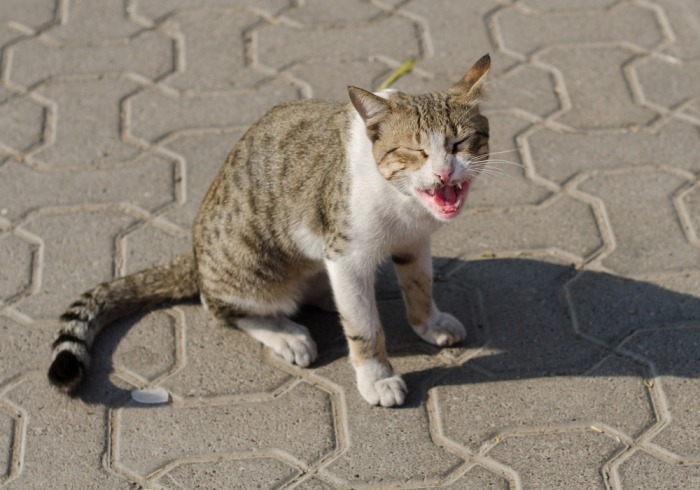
x,y
380,386
443,331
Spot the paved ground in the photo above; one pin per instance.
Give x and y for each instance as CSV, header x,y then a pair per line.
x,y
578,275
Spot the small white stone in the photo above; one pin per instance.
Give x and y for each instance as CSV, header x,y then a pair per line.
x,y
151,396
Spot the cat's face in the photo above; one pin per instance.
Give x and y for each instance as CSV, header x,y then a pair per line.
x,y
431,146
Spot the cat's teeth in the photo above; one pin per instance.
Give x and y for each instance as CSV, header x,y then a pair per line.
x,y
458,187
431,192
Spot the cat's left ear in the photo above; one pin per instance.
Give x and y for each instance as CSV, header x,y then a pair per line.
x,y
372,108
469,89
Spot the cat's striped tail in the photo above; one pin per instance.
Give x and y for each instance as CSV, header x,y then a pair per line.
x,y
95,309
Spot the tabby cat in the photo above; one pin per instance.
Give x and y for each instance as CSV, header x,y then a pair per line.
x,y
307,204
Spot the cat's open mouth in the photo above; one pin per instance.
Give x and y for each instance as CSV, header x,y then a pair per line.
x,y
447,200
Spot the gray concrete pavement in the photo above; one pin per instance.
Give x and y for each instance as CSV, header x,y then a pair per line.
x,y
577,273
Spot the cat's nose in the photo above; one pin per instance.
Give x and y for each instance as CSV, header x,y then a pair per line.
x,y
444,175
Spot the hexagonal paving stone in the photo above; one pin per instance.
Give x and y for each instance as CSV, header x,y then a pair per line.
x,y
560,156
529,329
149,437
88,123
610,308
683,17
526,87
549,460
332,12
468,40
64,441
204,153
147,246
79,25
595,83
525,33
149,348
148,182
78,254
32,61
690,202
563,224
674,353
22,120
633,201
280,46
480,478
237,474
644,471
220,361
329,80
503,183
475,409
32,13
153,114
17,262
7,435
389,432
24,348
159,9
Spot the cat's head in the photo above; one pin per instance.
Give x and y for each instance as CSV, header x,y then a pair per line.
x,y
429,146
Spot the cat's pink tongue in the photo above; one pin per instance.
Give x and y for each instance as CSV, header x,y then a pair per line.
x,y
445,195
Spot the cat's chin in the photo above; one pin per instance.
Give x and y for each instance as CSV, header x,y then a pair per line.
x,y
445,202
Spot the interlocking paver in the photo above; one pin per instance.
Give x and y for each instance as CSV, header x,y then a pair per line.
x,y
629,305
155,114
643,471
554,460
525,32
31,13
16,271
85,21
147,182
233,474
280,46
7,423
599,92
537,405
683,17
505,184
214,54
298,422
114,118
386,432
664,348
86,123
559,156
72,263
648,198
32,60
247,372
22,121
563,223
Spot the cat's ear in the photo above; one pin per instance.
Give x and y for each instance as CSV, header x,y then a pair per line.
x,y
372,108
470,88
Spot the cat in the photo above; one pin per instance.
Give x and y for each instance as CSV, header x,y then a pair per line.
x,y
308,203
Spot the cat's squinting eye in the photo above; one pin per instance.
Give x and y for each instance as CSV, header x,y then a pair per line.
x,y
464,142
418,150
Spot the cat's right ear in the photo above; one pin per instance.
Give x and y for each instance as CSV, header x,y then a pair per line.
x,y
372,108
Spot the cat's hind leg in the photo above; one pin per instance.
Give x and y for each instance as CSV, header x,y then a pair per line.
x,y
289,340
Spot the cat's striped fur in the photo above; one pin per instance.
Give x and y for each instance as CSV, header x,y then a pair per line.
x,y
311,199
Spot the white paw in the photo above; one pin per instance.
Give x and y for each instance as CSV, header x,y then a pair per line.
x,y
289,340
380,386
295,345
445,330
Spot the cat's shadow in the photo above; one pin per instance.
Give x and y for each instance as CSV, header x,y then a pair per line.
x,y
525,318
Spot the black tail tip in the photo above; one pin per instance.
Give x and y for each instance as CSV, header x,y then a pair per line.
x,y
66,371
